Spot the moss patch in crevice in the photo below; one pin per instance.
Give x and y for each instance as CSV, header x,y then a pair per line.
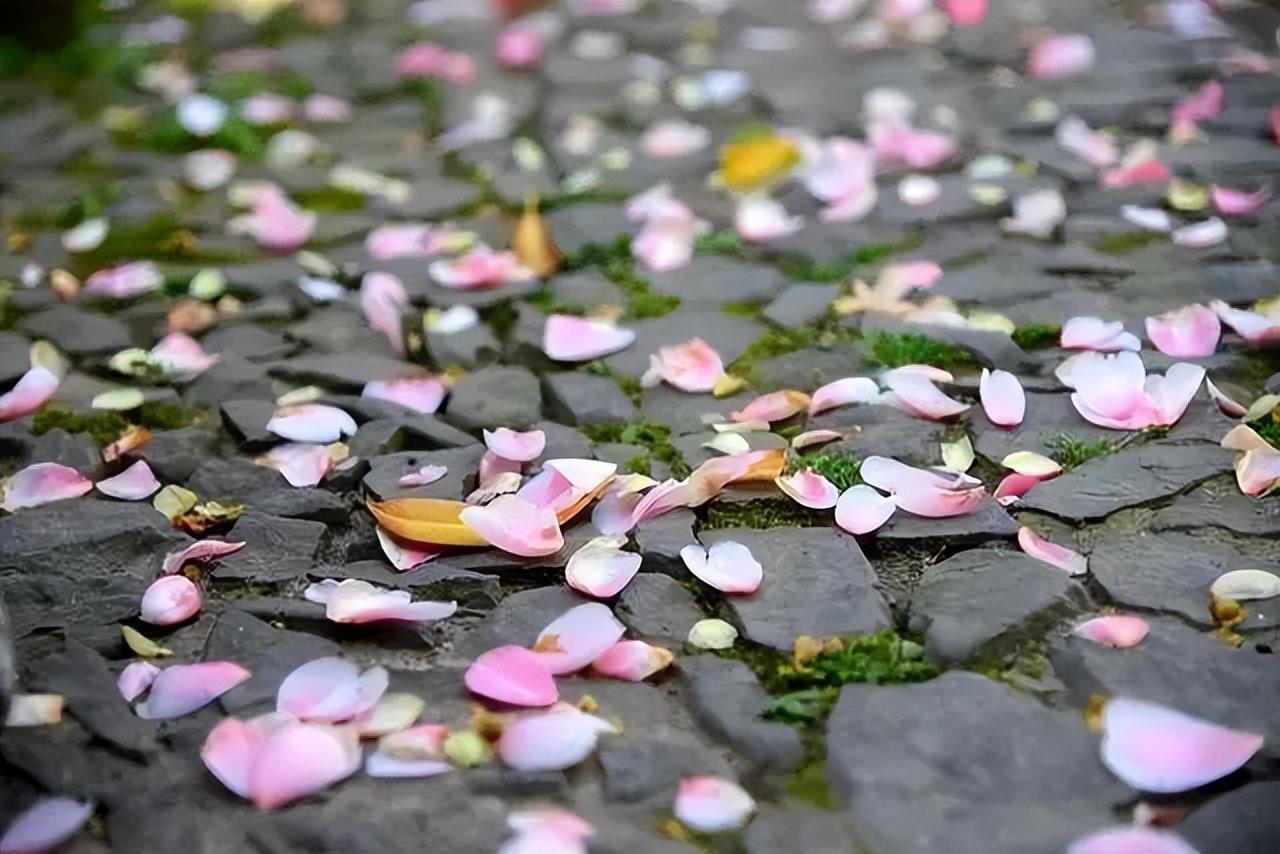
x,y
629,385
653,437
725,242
805,269
1034,336
761,513
825,333
841,470
893,350
1127,241
104,427
1071,452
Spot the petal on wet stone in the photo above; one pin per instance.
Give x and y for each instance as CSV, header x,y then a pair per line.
x,y
183,688
133,484
136,679
299,759
921,492
843,392
42,483
424,476
1131,840
383,300
712,805
692,366
311,422
421,394
330,690
727,566
1059,57
809,489
1014,486
760,219
520,447
917,396
1188,332
512,675
1121,631
30,393
355,601
1092,333
516,525
45,825
1041,549
566,338
202,551
861,510
600,568
632,661
1231,202
577,637
1003,399
171,599
1244,585
552,740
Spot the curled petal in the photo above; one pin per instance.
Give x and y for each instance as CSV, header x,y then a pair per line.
x,y
601,568
1131,840
171,599
1228,406
275,223
515,446
774,406
1201,235
1032,464
29,394
578,637
181,356
1249,325
183,688
125,281
1121,631
383,766
727,566
1258,471
693,366
920,492
355,601
512,675
516,525
311,422
481,267
421,394
632,661
41,483
566,338
861,510
1041,549
919,397
809,489
203,551
844,392
1206,103
1084,142
301,464
665,243
1238,203
811,438
329,690
552,740
1002,398
135,679
760,219
298,759
45,826
1157,749
1188,332
1244,585
1014,486
1091,333
712,805
384,301
133,484
424,476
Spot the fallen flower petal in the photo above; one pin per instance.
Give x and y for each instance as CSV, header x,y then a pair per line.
x,y
917,396
124,281
1245,585
512,675
600,568
515,525
712,805
180,356
1131,840
921,492
1041,549
566,338
133,484
1084,142
135,679
861,510
330,690
301,464
809,489
1257,329
183,688
355,601
311,422
965,13
1157,749
383,301
1201,235
727,566
1060,57
42,483
1120,631
843,392
774,406
45,826
1188,332
403,557
1238,203
1228,406
29,394
481,267
420,394
275,760
277,224
1037,214
1003,399
424,476
632,661
812,438
171,599
426,520
550,741
671,138
693,367
515,446
578,637
712,633
202,551
760,219
1031,464
1091,333
1014,486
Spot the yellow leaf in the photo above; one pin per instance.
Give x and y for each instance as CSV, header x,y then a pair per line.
x,y
752,163
728,385
767,469
143,645
426,520
532,243
174,500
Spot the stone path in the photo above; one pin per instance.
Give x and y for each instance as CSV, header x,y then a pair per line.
x,y
938,699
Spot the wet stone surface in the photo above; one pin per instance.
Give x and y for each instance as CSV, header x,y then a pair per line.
x,y
335,284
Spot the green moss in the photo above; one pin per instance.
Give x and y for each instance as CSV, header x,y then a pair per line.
x,y
1128,241
653,437
501,317
91,203
725,242
596,194
896,349
238,85
329,199
808,783
545,302
841,470
1268,429
169,137
1071,452
103,427
431,99
638,301
638,464
630,386
778,342
8,311
167,416
1033,336
597,255
746,308
160,236
805,269
762,514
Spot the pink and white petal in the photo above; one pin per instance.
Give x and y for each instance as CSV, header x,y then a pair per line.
x,y
301,464
380,765
577,637
1092,333
45,826
1061,56
809,489
299,759
902,278
515,525
1228,406
1201,235
512,675
133,484
203,551
774,406
311,422
1206,103
582,475
632,661
692,366
566,338
665,243
125,281
135,679
1171,394
355,601
231,748
480,267
330,690
712,805
1033,465
1258,471
30,393
760,219
1238,203
1084,142
965,13
42,483
183,688
727,566
179,355
919,190
421,394
171,599
1157,749
1003,399
920,492
1249,325
1036,546
843,392
861,510
384,300
550,741
396,240
520,447
1111,385
615,513
601,569
917,396
1119,631
1131,840
812,438
1014,486
669,138
1188,332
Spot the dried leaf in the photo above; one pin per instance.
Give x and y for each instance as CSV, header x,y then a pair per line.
x,y
173,501
426,520
143,645
532,244
728,385
766,469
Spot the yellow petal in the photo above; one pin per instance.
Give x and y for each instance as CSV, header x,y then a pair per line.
x,y
751,163
728,385
426,520
767,469
532,243
143,645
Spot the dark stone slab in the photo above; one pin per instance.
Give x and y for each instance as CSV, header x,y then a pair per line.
x,y
495,397
658,608
726,699
277,549
270,654
76,331
1243,821
81,676
583,399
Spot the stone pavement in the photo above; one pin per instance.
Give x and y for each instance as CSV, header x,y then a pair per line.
x,y
958,712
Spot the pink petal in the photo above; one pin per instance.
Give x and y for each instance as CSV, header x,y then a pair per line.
x,y
670,138
180,355
208,169
202,551
1108,389
515,446
125,281
133,484
550,741
517,526
727,566
965,13
1041,549
1200,235
1091,333
41,483
311,422
838,170
895,144
424,476
1060,57
577,637
299,759
760,219
692,366
512,675
520,47
1084,142
231,748
582,475
920,492
1146,172
326,109
1014,486
1238,203
29,394
267,108
171,599
383,300
425,59
383,766
45,826
396,240
712,805
1131,840
774,406
182,688
355,601
135,679
275,222
1002,398
495,471
655,203
1171,394
481,267
1249,325
632,661
566,338
547,829
919,397
1190,331
862,510
810,438
1156,749
421,394
1120,631
809,489
301,464
665,243
403,557
1206,103
601,569
843,392
329,690
1257,471
1228,406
